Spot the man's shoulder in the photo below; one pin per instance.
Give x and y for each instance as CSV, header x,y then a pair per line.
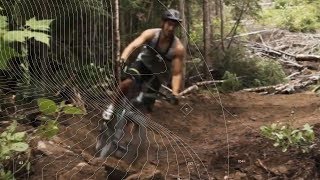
x,y
150,31
179,46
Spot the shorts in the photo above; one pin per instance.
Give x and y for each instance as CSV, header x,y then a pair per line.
x,y
141,74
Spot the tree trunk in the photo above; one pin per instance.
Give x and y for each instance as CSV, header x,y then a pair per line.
x,y
117,38
184,37
188,15
123,24
206,37
221,23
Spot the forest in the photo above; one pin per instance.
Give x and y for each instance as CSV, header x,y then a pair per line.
x,y
248,105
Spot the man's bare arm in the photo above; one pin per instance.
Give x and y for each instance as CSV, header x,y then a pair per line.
x,y
177,69
146,35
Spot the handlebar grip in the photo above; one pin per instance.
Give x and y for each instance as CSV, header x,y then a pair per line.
x,y
173,100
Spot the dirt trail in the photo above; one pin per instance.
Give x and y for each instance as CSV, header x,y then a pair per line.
x,y
195,146
205,128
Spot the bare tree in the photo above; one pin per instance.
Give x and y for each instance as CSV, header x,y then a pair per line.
x,y
184,37
118,43
221,3
206,37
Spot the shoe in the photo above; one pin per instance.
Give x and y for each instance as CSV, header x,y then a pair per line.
x,y
108,113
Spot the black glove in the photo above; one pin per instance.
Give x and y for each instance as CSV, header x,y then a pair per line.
x,y
173,99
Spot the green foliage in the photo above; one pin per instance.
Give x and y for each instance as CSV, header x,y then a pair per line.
x,y
250,8
285,136
252,71
3,23
32,30
269,73
50,109
39,25
231,82
6,53
47,106
6,175
296,16
49,129
12,142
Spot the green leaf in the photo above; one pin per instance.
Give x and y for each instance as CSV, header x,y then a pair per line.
x,y
47,106
276,144
307,127
39,36
6,54
63,104
19,146
280,136
4,150
49,130
273,126
3,22
19,36
283,127
263,128
72,110
41,25
4,134
12,127
299,135
19,136
295,131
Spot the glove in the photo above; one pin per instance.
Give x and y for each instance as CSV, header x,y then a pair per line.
x,y
173,99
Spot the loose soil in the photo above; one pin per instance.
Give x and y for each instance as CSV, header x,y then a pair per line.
x,y
218,139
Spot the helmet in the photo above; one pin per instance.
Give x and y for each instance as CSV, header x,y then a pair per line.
x,y
171,14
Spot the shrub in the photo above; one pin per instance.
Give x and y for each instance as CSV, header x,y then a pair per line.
x,y
251,71
285,136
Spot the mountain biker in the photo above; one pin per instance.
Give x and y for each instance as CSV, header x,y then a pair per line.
x,y
160,59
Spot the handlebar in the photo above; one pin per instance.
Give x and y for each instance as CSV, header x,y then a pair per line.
x,y
159,95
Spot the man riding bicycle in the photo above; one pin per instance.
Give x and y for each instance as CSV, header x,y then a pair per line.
x,y
161,57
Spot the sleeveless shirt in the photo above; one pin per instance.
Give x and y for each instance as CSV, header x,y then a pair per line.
x,y
159,63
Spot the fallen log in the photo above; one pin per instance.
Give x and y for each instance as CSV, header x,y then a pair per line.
x,y
283,57
260,89
292,64
291,76
189,89
196,86
281,48
307,57
287,88
208,82
296,85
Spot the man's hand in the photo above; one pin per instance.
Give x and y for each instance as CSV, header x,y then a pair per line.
x,y
123,63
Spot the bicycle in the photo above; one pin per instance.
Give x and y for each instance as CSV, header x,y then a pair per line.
x,y
114,141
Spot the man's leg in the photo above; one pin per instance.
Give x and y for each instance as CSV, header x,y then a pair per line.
x,y
131,76
122,89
